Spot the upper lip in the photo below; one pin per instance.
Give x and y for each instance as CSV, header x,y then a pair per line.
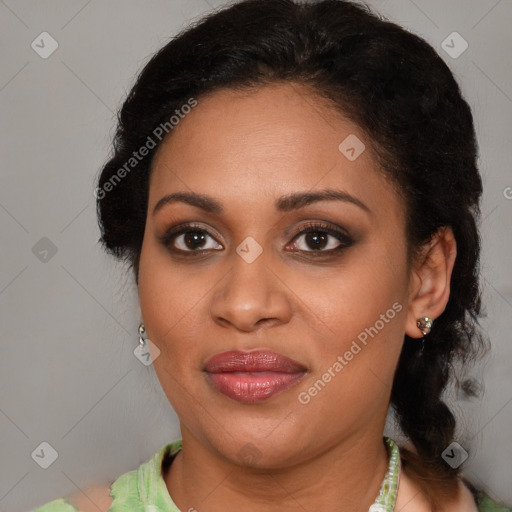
x,y
254,361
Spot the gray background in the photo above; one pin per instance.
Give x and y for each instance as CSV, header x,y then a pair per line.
x,y
69,320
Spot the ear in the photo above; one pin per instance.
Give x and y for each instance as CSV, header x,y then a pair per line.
x,y
429,288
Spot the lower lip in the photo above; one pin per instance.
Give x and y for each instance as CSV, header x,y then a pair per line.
x,y
252,387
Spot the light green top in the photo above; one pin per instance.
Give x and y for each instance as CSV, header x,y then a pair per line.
x,y
144,489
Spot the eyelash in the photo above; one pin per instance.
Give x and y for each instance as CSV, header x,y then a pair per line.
x,y
311,227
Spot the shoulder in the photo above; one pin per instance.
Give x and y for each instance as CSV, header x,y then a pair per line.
x,y
486,504
124,490
92,499
411,499
122,494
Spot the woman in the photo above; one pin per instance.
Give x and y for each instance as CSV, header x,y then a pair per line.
x,y
295,187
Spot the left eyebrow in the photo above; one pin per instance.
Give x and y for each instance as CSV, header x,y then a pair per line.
x,y
302,199
285,203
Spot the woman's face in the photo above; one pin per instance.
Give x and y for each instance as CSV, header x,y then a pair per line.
x,y
334,300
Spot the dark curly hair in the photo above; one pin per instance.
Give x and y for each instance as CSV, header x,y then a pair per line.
x,y
394,86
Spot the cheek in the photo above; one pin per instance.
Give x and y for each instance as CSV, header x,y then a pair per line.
x,y
346,300
172,301
362,309
172,305
353,372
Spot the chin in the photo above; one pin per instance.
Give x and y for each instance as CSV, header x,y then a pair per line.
x,y
258,450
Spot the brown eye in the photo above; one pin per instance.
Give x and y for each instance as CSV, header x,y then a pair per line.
x,y
321,238
189,239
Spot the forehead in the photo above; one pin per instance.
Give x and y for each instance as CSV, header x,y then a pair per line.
x,y
248,147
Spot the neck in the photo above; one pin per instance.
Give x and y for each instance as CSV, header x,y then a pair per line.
x,y
346,476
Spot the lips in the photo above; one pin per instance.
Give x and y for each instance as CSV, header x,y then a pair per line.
x,y
251,377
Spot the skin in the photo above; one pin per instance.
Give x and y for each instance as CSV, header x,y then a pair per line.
x,y
246,150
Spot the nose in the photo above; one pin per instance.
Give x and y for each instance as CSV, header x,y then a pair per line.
x,y
249,296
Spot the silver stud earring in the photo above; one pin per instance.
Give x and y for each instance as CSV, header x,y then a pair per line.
x,y
425,324
142,333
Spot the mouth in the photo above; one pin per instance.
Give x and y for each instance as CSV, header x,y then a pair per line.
x,y
251,377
